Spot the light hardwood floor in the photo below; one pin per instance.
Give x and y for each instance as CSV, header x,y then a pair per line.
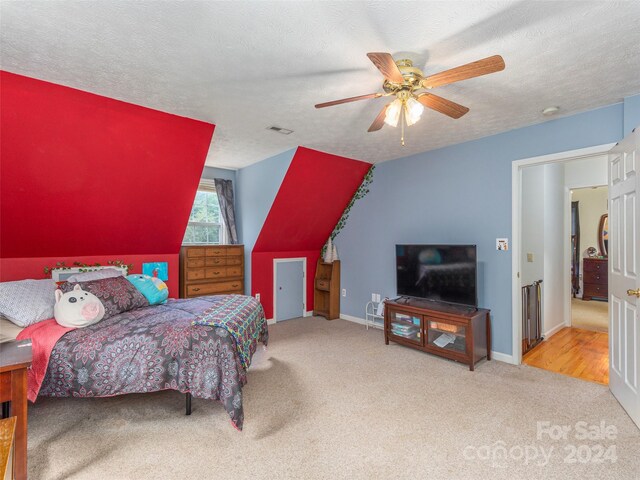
x,y
575,352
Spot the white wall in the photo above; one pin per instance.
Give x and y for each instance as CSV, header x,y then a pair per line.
x,y
543,235
555,271
589,172
532,234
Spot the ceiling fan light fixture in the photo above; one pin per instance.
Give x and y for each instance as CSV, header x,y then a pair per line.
x,y
393,113
412,111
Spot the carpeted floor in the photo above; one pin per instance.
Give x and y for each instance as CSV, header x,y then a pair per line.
x,y
590,315
330,401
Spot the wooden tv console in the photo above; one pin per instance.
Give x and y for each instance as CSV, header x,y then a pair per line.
x,y
454,332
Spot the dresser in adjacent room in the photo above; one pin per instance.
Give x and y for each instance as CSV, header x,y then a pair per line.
x,y
211,270
595,278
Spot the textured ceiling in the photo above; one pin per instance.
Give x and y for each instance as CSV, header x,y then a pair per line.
x,y
248,65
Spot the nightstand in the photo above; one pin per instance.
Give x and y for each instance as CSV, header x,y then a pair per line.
x,y
15,358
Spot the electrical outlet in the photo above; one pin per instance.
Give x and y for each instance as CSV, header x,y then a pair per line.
x,y
344,292
529,257
258,296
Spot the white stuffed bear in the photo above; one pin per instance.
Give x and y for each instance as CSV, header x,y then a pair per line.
x,y
77,308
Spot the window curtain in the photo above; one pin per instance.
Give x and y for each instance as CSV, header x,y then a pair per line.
x,y
224,189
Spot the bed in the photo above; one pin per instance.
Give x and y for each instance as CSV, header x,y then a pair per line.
x,y
158,348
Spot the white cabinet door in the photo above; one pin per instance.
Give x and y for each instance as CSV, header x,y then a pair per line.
x,y
624,274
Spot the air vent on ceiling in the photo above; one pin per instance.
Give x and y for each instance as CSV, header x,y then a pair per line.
x,y
283,131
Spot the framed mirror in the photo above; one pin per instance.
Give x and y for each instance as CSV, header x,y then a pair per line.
x,y
603,235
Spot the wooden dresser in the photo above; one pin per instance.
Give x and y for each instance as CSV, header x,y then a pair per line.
x,y
211,270
595,278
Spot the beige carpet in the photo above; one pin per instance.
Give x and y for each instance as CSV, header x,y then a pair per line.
x,y
331,401
590,315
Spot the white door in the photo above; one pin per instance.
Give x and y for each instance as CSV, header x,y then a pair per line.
x,y
624,274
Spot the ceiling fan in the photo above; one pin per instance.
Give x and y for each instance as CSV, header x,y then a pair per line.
x,y
408,84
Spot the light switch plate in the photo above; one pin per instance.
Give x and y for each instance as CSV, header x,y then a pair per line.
x,y
530,257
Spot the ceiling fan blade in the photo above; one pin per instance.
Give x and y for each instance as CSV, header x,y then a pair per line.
x,y
470,70
347,100
378,123
385,63
442,105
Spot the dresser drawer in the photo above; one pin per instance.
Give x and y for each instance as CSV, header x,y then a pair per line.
x,y
211,273
215,261
601,278
196,274
195,252
215,252
235,251
195,263
234,260
213,288
322,284
593,290
591,265
234,271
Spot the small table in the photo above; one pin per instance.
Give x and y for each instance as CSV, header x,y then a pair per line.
x,y
15,358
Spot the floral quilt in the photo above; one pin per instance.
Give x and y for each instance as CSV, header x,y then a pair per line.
x,y
155,348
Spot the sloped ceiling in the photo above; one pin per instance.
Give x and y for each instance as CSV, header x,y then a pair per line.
x,y
315,190
248,65
88,175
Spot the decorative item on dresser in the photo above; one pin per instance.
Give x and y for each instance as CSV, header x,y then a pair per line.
x,y
211,270
454,332
326,291
15,358
595,278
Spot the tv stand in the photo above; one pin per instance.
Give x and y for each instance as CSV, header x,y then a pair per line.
x,y
455,332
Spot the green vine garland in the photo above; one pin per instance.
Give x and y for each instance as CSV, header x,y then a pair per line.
x,y
85,267
361,192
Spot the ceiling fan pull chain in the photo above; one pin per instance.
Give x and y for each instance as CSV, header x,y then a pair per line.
x,y
402,128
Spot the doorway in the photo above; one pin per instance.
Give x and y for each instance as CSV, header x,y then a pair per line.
x,y
289,297
548,253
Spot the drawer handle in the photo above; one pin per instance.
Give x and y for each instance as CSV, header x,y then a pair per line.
x,y
235,285
196,289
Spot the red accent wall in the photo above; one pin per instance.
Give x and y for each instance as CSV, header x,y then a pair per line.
x,y
315,191
89,176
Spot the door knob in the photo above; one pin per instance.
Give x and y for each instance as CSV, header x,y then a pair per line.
x,y
634,292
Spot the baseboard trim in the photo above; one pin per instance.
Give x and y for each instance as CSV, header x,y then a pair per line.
x,y
271,321
351,318
555,330
503,357
308,313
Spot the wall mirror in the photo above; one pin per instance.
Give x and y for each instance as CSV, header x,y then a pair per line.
x,y
603,235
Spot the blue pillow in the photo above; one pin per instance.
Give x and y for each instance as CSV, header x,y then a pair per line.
x,y
152,288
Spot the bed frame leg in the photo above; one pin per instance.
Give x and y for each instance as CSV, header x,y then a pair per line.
x,y
188,404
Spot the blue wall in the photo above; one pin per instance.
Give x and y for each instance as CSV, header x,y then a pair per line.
x,y
631,113
256,189
457,194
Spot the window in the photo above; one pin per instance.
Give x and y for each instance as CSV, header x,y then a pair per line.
x,y
205,222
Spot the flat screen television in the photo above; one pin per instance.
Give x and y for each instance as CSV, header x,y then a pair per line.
x,y
441,273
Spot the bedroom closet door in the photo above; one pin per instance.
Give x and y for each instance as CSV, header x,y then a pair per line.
x,y
289,288
624,274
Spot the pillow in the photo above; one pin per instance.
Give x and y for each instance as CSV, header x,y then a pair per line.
x,y
95,275
26,302
117,294
153,289
77,308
